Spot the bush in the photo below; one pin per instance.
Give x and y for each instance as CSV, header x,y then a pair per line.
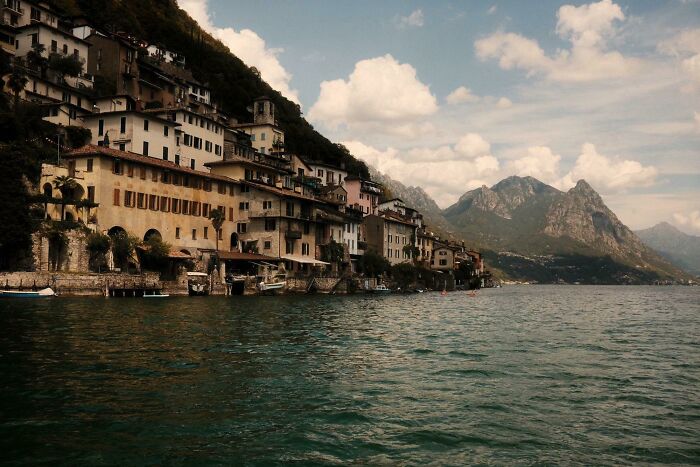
x,y
123,246
98,245
372,264
155,254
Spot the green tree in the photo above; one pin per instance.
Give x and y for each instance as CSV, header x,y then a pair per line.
x,y
334,252
69,65
123,248
155,254
98,246
372,264
66,185
36,59
18,79
404,274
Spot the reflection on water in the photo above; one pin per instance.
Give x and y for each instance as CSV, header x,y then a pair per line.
x,y
520,374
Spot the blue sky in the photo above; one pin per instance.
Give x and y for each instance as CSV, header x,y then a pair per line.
x,y
453,95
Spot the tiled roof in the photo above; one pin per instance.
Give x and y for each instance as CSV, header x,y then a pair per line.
x,y
396,217
238,256
92,150
279,191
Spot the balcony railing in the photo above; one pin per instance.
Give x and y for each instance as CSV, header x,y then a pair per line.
x,y
293,234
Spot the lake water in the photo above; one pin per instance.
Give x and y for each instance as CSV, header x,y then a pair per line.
x,y
529,374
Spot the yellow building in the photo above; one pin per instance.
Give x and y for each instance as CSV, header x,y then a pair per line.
x,y
145,196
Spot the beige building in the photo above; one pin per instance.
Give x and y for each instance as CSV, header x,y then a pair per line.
x,y
54,40
63,104
145,196
443,257
388,233
426,242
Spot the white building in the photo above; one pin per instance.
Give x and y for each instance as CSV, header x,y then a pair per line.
x,y
265,135
137,132
54,40
199,138
329,174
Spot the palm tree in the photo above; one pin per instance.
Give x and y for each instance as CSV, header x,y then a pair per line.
x,y
217,217
65,184
18,78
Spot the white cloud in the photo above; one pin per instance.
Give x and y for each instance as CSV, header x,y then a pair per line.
x,y
696,118
587,27
379,90
415,19
472,145
246,45
607,174
540,162
504,103
492,10
686,47
461,95
445,172
690,220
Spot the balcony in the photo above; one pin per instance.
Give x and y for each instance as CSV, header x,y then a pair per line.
x,y
293,234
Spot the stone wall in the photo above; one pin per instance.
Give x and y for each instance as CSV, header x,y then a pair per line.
x,y
74,258
65,283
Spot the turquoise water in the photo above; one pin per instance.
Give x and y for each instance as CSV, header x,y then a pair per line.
x,y
531,374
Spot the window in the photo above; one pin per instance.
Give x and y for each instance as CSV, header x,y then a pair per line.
x,y
185,207
192,164
267,244
207,185
91,194
305,249
153,202
262,136
145,125
188,140
154,175
130,170
194,234
143,173
164,203
230,214
35,14
116,197
100,127
241,227
117,168
245,189
243,206
145,148
443,262
129,199
289,247
195,208
122,147
65,49
166,130
89,165
389,238
307,227
206,210
270,225
177,232
267,204
35,40
175,205
221,188
290,208
206,232
165,153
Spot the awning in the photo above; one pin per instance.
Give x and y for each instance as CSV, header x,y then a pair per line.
x,y
304,260
238,256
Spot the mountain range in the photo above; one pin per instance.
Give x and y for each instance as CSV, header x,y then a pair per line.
x,y
529,230
678,247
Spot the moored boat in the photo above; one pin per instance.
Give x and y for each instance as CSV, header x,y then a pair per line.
x,y
43,293
381,288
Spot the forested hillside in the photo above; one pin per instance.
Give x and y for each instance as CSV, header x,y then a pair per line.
x,y
233,83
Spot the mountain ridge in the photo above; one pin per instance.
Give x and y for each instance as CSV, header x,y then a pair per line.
x,y
678,247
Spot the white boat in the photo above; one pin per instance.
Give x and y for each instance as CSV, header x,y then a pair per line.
x,y
155,295
266,286
381,288
47,292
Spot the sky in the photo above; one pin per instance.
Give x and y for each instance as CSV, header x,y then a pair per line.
x,y
452,95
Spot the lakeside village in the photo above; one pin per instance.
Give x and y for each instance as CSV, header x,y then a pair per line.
x,y
170,196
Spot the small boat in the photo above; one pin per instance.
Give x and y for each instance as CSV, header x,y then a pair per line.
x,y
197,283
269,286
43,293
381,288
155,295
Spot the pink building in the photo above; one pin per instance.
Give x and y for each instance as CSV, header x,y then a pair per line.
x,y
363,194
